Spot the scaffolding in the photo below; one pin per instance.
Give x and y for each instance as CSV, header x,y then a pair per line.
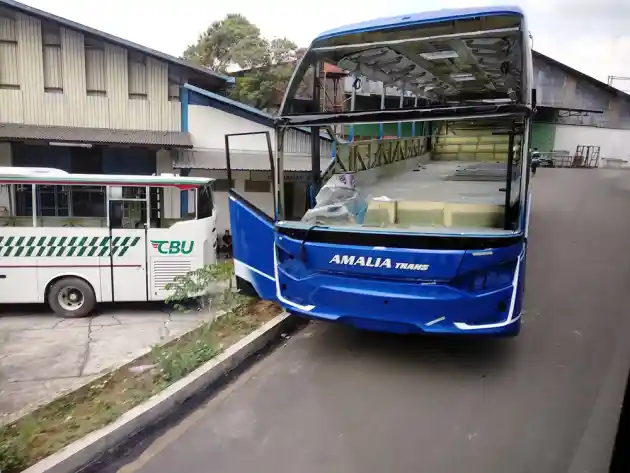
x,y
332,98
585,157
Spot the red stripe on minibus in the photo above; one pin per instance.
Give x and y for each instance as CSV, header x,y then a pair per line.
x,y
71,266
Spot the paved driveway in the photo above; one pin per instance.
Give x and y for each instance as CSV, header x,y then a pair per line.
x,y
42,355
335,400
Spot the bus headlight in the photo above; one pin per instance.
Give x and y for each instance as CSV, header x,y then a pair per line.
x,y
487,279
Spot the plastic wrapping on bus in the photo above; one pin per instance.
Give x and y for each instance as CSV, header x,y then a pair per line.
x,y
339,201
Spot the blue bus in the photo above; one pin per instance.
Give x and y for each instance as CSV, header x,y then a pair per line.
x,y
417,221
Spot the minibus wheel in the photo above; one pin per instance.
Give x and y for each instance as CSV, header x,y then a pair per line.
x,y
71,297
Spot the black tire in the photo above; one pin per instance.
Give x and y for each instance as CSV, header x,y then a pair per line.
x,y
71,287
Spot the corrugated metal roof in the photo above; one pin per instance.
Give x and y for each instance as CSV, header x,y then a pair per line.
x,y
241,160
28,10
13,131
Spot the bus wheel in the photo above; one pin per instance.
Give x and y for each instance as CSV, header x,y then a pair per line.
x,y
71,297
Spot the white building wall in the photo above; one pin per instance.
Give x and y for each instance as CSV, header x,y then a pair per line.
x,y
613,142
208,127
262,200
47,73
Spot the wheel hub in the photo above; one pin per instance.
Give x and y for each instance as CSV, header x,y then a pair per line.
x,y
70,299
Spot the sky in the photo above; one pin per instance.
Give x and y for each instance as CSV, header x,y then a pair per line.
x,y
592,36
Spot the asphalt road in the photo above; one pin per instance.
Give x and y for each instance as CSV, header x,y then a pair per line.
x,y
334,400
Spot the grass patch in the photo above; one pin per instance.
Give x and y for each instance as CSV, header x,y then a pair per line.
x,y
52,427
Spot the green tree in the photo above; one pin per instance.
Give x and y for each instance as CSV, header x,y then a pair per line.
x,y
260,85
235,41
231,41
282,51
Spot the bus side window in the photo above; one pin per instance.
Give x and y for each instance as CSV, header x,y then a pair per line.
x,y
165,207
62,205
13,212
204,202
116,214
127,207
127,214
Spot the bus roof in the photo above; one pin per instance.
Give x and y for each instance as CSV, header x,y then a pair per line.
x,y
400,21
443,58
26,175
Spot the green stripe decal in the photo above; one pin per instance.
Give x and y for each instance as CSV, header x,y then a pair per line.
x,y
62,247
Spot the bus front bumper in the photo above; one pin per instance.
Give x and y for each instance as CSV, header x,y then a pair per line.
x,y
506,328
399,307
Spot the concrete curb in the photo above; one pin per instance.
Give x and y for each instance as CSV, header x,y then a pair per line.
x,y
84,451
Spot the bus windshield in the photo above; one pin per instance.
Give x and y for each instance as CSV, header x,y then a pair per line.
x,y
430,125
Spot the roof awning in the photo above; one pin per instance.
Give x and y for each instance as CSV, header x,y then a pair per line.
x,y
95,136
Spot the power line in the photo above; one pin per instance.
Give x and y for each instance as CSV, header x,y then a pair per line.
x,y
612,79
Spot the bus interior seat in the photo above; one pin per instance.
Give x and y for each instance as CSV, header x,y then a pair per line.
x,y
442,214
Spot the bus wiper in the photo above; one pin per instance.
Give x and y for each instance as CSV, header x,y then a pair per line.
x,y
302,247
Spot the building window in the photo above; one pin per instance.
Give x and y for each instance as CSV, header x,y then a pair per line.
x,y
174,82
95,79
51,48
223,185
8,52
257,186
137,75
